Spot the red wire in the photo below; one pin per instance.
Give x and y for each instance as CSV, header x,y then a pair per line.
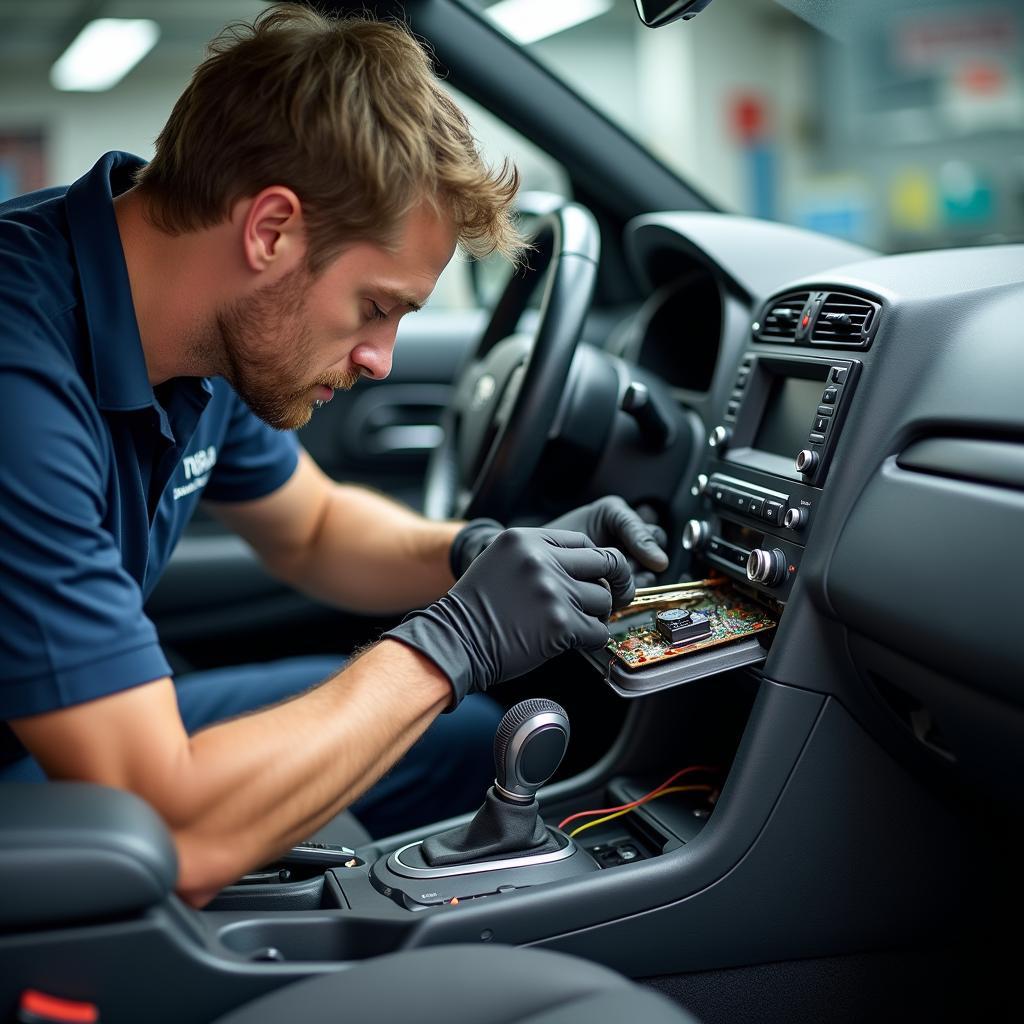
x,y
636,803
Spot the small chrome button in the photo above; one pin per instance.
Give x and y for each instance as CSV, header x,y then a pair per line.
x,y
806,461
695,533
795,518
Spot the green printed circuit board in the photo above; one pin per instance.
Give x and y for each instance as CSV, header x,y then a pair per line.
x,y
636,642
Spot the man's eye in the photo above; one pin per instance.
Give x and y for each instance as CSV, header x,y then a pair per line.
x,y
376,313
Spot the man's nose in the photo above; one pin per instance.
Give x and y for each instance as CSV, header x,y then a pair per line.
x,y
374,357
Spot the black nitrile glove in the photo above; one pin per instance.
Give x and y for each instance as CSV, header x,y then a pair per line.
x,y
611,522
469,542
531,595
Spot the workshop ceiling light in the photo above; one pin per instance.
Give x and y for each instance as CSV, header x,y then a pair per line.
x,y
527,21
103,53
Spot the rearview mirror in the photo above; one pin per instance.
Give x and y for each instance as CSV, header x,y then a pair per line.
x,y
655,13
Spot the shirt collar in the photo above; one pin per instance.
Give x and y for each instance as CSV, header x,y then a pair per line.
x,y
119,363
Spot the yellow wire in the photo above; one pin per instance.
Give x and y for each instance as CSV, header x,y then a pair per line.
x,y
618,814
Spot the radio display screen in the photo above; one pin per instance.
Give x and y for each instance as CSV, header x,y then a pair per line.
x,y
788,415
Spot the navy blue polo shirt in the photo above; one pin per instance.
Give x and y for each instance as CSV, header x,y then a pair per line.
x,y
99,471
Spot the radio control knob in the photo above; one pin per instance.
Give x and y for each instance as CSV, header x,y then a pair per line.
x,y
695,533
719,438
806,461
795,518
700,485
768,567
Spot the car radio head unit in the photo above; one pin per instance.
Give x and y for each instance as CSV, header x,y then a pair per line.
x,y
768,462
784,414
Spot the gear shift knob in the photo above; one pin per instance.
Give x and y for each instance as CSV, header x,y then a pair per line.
x,y
528,746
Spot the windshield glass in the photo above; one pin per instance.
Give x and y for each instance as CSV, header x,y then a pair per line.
x,y
898,124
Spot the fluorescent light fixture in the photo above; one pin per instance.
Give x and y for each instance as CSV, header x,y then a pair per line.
x,y
103,53
526,21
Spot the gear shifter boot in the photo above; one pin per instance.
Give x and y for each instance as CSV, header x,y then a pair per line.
x,y
497,828
528,747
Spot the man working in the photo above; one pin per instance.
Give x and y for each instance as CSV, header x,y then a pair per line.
x,y
164,328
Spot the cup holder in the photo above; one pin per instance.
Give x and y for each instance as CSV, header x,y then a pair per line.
x,y
309,894
311,939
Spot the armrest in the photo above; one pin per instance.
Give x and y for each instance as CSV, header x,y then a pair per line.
x,y
72,850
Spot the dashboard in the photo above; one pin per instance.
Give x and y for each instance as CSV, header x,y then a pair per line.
x,y
863,469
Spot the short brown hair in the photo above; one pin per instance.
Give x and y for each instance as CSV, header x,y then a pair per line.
x,y
348,113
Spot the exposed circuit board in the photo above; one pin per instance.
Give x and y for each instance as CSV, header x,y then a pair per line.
x,y
636,641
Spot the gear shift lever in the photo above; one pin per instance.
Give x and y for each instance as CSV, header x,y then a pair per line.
x,y
528,747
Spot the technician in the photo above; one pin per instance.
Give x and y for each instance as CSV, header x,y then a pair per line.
x,y
163,330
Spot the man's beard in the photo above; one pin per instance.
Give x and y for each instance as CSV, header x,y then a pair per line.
x,y
267,344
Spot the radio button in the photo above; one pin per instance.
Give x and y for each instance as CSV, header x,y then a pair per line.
x,y
795,519
727,552
816,438
821,424
719,438
755,507
766,566
825,410
695,533
740,501
731,409
829,396
806,461
773,512
838,374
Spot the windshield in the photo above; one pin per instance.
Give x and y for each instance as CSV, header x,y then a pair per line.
x,y
895,124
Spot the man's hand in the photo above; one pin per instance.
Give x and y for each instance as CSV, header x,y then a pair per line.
x,y
530,595
608,522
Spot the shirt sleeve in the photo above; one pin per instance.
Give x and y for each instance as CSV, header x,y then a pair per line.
x,y
254,459
72,627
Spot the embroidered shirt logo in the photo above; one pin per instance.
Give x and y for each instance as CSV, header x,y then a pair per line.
x,y
197,468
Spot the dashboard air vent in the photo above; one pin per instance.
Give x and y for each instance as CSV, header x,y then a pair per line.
x,y
782,317
846,320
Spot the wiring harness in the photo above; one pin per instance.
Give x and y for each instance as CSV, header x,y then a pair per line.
x,y
663,790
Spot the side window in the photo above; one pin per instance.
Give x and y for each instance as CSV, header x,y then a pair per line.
x,y
893,124
463,286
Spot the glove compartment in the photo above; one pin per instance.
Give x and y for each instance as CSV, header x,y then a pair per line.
x,y
929,562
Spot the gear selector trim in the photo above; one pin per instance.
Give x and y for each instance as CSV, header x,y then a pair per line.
x,y
399,867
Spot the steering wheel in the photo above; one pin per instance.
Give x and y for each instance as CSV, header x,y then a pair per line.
x,y
507,395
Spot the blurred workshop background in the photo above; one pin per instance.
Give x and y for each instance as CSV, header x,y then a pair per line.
x,y
895,123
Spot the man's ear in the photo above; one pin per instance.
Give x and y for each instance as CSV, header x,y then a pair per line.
x,y
273,233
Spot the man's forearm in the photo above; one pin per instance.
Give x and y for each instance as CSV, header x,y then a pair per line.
x,y
252,787
372,554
